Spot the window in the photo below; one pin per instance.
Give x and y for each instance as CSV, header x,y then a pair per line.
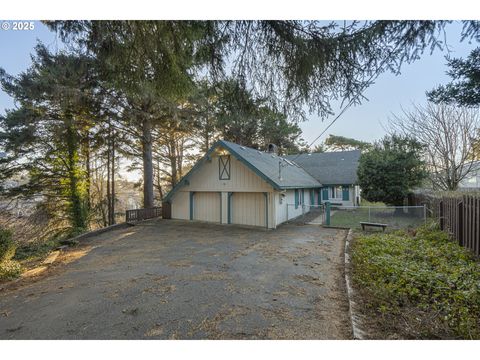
x,y
224,167
336,192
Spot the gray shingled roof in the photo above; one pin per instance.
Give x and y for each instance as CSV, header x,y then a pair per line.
x,y
267,164
263,164
330,168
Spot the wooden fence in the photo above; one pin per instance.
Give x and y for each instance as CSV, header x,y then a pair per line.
x,y
458,216
143,214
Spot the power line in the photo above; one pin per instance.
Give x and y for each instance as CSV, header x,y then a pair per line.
x,y
350,103
329,125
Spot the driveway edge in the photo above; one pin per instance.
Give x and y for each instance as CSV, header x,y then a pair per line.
x,y
355,317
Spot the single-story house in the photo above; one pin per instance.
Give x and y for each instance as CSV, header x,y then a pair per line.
x,y
234,184
336,171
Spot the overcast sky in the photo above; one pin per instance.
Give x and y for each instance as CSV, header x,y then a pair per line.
x,y
362,122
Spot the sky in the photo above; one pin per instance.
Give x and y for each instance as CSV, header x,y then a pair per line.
x,y
390,93
363,122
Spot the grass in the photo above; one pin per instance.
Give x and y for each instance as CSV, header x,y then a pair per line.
x,y
351,217
417,284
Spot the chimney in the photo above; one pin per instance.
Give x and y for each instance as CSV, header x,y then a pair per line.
x,y
272,149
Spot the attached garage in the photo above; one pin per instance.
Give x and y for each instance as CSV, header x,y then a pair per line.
x,y
207,206
248,209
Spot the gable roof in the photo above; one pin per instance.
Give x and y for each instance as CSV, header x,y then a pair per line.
x,y
265,165
292,175
330,168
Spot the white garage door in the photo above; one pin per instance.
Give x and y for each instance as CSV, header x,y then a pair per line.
x,y
206,206
248,209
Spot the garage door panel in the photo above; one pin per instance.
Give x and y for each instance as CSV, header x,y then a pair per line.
x,y
206,206
248,209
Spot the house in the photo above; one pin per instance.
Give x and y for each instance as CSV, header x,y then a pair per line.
x,y
234,184
336,171
472,180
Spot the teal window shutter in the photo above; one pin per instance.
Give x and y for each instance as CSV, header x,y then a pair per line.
x,y
319,197
296,199
325,193
303,196
312,197
345,193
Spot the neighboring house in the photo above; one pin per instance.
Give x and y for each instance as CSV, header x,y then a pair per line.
x,y
472,180
234,184
336,171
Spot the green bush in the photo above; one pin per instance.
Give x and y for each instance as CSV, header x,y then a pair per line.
x,y
33,250
7,245
10,269
430,282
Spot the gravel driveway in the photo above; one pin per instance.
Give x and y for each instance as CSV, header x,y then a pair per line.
x,y
168,279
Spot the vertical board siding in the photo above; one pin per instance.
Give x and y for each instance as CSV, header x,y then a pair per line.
x,y
248,209
206,178
206,206
181,205
458,216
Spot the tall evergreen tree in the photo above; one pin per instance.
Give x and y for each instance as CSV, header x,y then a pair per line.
x,y
292,64
464,89
45,136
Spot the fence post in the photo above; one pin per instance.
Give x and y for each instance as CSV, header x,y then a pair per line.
x,y
369,217
440,210
460,209
327,213
425,213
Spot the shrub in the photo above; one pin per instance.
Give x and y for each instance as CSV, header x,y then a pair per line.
x,y
423,278
7,245
10,269
34,249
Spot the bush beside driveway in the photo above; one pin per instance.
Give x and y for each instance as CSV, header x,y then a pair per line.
x,y
416,285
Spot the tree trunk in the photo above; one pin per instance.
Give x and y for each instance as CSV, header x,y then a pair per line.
x,y
148,197
88,169
159,181
113,180
173,162
77,217
109,206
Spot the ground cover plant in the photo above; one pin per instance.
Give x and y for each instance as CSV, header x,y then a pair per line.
x,y
417,284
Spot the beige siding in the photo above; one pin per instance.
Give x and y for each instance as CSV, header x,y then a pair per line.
x,y
181,205
206,206
247,202
248,209
206,178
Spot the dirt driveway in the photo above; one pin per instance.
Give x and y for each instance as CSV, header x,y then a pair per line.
x,y
168,279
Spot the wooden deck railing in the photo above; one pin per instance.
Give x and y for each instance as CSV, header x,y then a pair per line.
x,y
143,214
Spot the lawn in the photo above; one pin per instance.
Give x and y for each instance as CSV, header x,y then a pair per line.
x,y
351,217
416,284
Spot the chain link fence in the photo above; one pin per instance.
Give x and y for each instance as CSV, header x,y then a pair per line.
x,y
395,217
